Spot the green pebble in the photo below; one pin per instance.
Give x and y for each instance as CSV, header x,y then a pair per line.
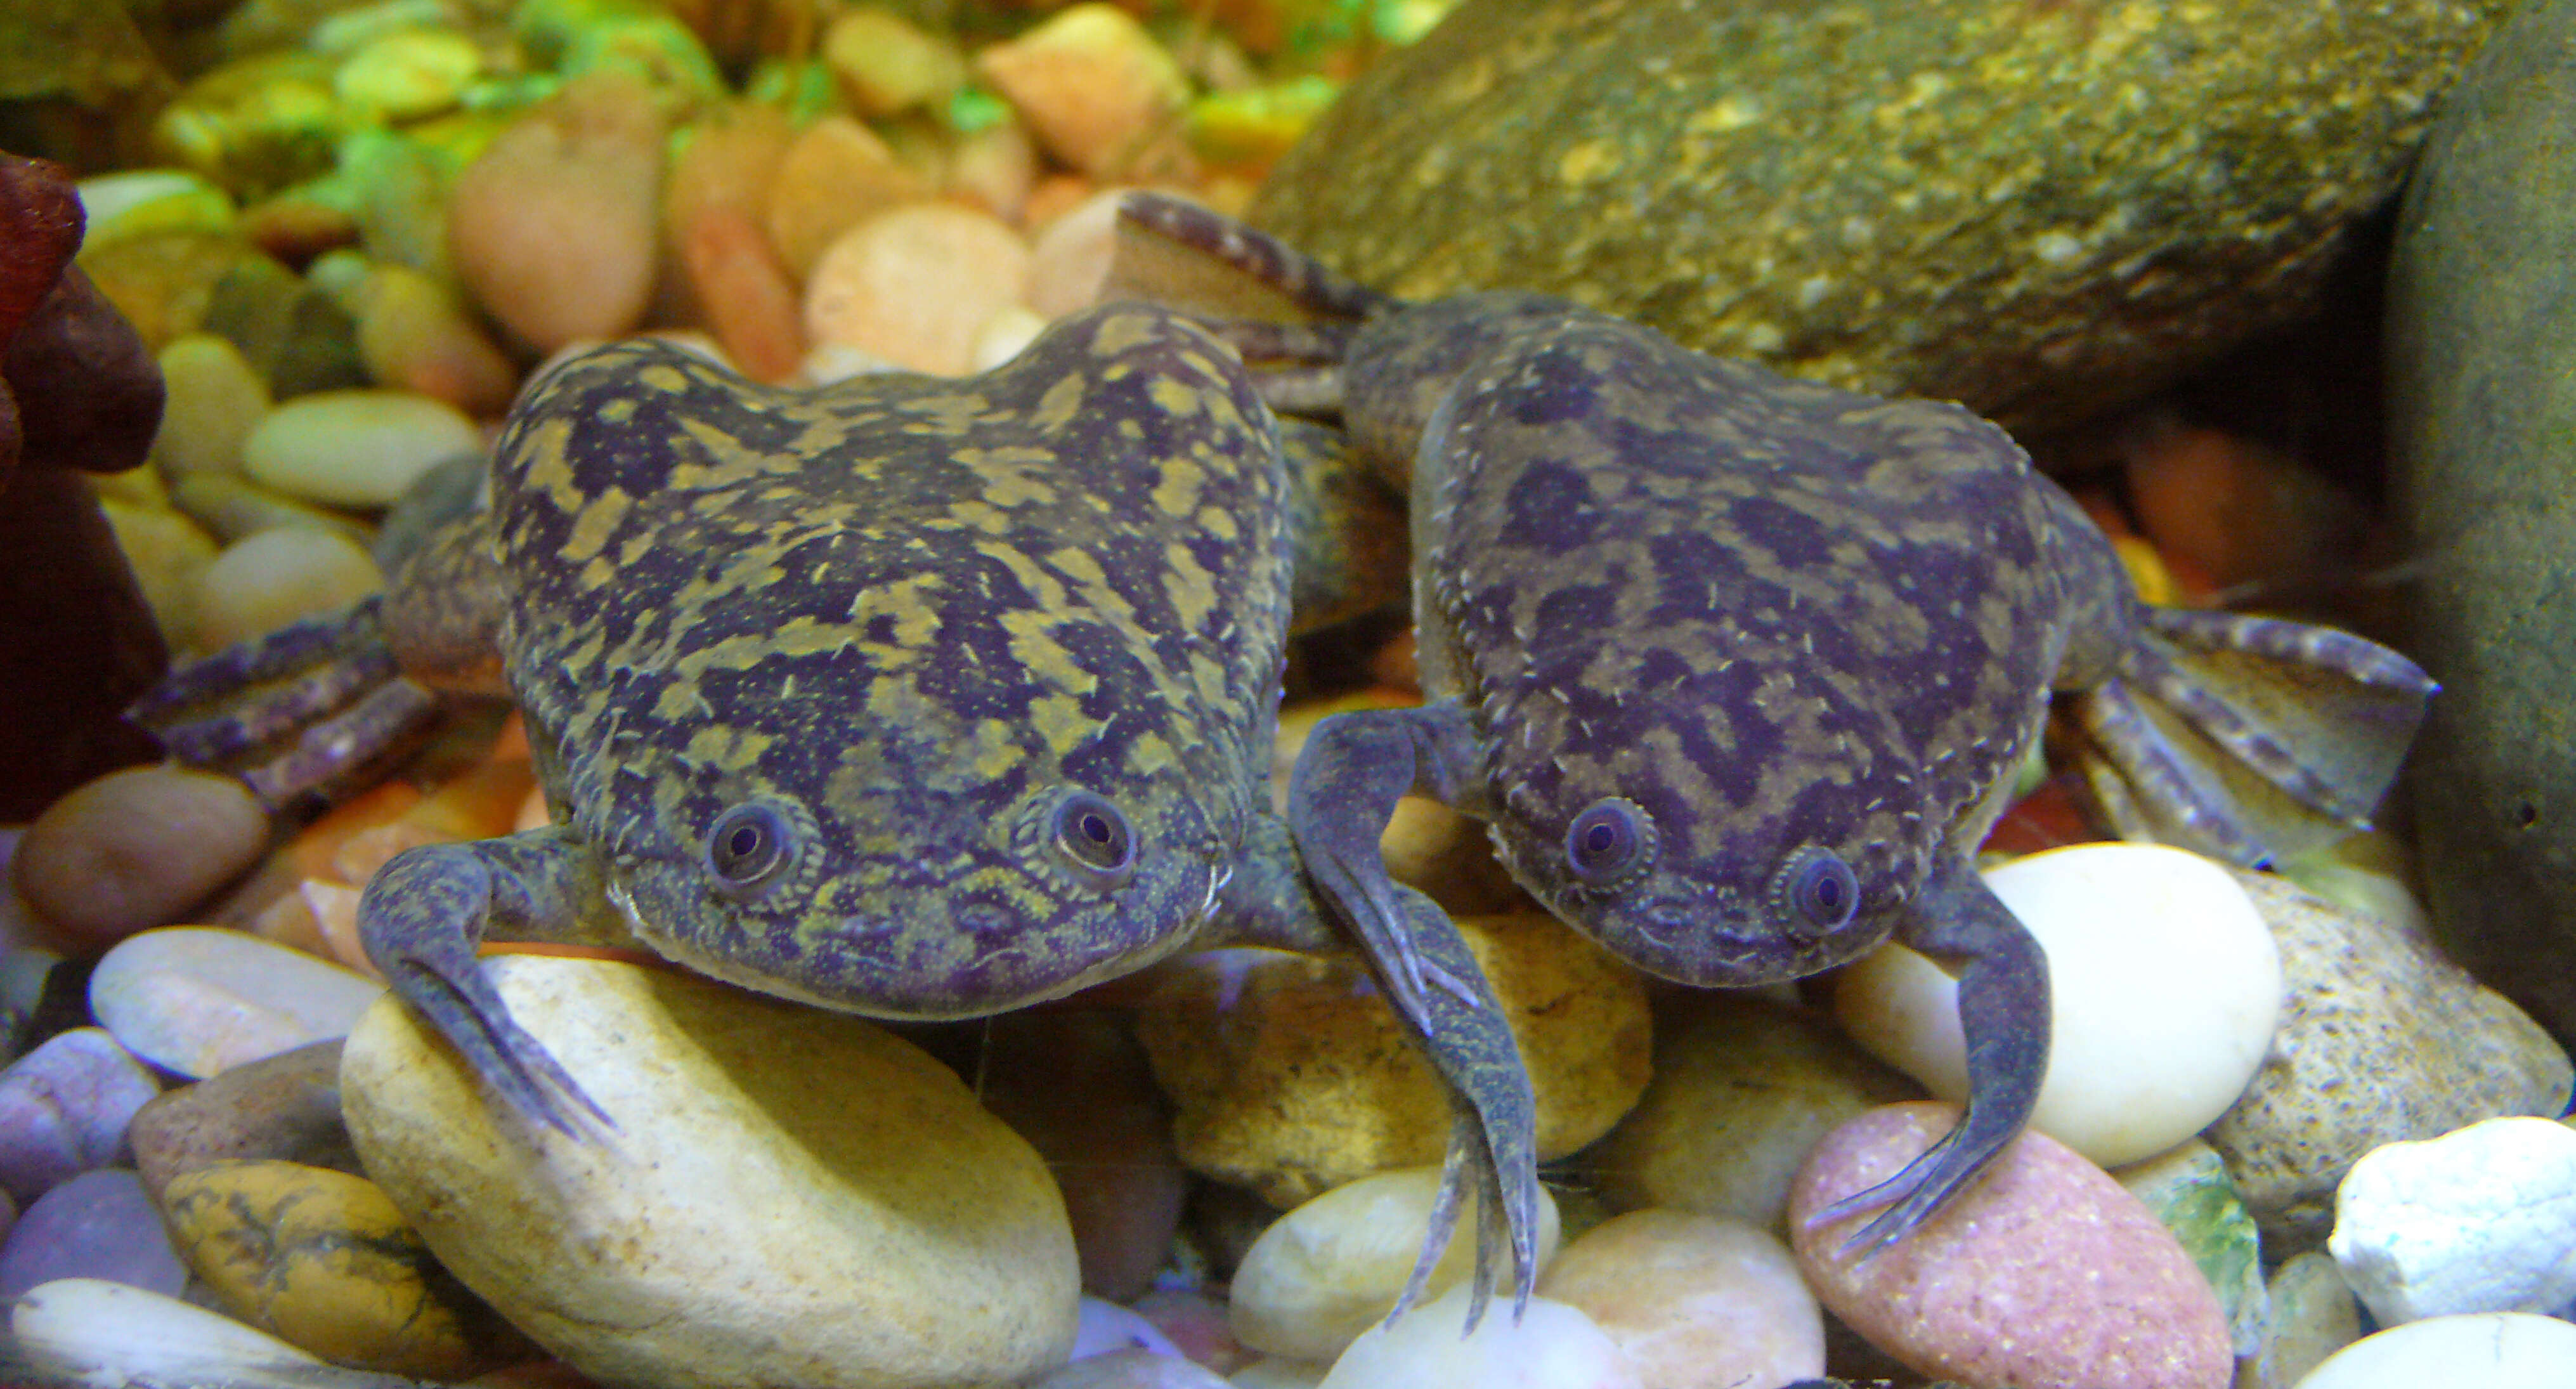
x,y
2189,1191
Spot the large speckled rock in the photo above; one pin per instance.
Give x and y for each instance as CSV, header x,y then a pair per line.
x,y
1292,1076
2483,432
2034,209
2381,1041
791,1196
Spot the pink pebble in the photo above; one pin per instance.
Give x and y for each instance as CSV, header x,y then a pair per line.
x,y
2043,1275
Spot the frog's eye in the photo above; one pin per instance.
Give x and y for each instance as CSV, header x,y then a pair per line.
x,y
749,844
1609,841
1093,837
1815,891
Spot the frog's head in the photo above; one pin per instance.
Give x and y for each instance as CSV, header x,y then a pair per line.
x,y
926,866
1722,827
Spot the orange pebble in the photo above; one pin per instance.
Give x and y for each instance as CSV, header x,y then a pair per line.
x,y
479,804
317,849
750,302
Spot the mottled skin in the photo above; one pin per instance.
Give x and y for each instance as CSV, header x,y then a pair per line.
x,y
908,697
1740,668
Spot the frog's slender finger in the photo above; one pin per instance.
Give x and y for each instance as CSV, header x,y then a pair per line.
x,y
2223,724
420,919
2004,1011
1441,1226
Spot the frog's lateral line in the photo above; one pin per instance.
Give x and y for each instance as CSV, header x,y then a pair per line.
x,y
1739,668
908,697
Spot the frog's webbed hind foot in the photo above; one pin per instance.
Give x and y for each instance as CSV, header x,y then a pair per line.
x,y
2249,737
2004,1012
1174,251
303,710
420,919
1344,789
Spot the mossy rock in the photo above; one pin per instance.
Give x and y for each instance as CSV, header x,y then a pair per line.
x,y
2036,209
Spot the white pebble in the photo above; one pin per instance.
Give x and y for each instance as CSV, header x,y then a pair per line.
x,y
1328,1270
200,1000
1697,1303
1553,1346
263,582
355,448
96,1333
1277,1372
2481,1219
2165,987
2493,1350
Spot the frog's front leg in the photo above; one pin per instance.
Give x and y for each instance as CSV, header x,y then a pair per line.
x,y
1340,798
424,913
2004,1012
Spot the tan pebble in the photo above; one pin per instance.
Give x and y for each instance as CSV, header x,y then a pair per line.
x,y
213,398
1449,856
415,335
1093,86
165,550
269,580
1051,197
297,229
827,362
1696,1303
358,448
885,63
534,813
994,169
928,1244
162,281
1070,260
916,285
1002,338
408,74
749,300
135,849
835,176
289,920
728,158
553,229
1291,1076
1333,1267
322,1260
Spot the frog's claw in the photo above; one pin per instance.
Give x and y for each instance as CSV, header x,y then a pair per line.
x,y
2004,1010
1344,789
331,683
2251,738
420,918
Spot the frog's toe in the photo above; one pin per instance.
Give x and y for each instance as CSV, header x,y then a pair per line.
x,y
1909,1198
301,710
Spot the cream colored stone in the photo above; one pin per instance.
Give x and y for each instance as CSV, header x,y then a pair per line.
x,y
1070,259
1292,1075
1091,83
1328,1270
1696,1303
2491,1350
1002,338
212,399
886,63
1744,1088
1552,1346
917,285
789,1196
355,448
103,1335
836,175
165,551
270,579
2165,987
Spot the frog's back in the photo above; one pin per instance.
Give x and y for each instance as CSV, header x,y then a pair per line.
x,y
911,616
1769,613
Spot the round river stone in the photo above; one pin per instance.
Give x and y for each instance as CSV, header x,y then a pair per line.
x,y
2034,209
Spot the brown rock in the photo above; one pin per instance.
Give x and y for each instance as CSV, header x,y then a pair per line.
x,y
835,176
135,849
916,286
750,303
553,229
886,63
285,1106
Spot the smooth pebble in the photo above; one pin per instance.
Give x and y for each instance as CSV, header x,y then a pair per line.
x,y
1131,1369
1103,1327
1551,1346
134,849
416,336
201,1000
2492,1350
1069,262
97,1225
836,174
928,1242
64,1108
2314,1314
1325,1272
284,1106
1092,84
359,448
886,64
274,577
2045,1274
1696,1303
2165,987
916,285
2482,1219
106,1335
1278,1372
212,400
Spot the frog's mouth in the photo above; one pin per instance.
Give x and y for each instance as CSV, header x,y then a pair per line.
x,y
1712,941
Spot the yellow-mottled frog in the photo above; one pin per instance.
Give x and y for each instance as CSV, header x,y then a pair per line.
x,y
1740,669
909,697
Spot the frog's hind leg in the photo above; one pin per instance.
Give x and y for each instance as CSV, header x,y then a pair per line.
x,y
1343,792
1173,251
299,711
2250,738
